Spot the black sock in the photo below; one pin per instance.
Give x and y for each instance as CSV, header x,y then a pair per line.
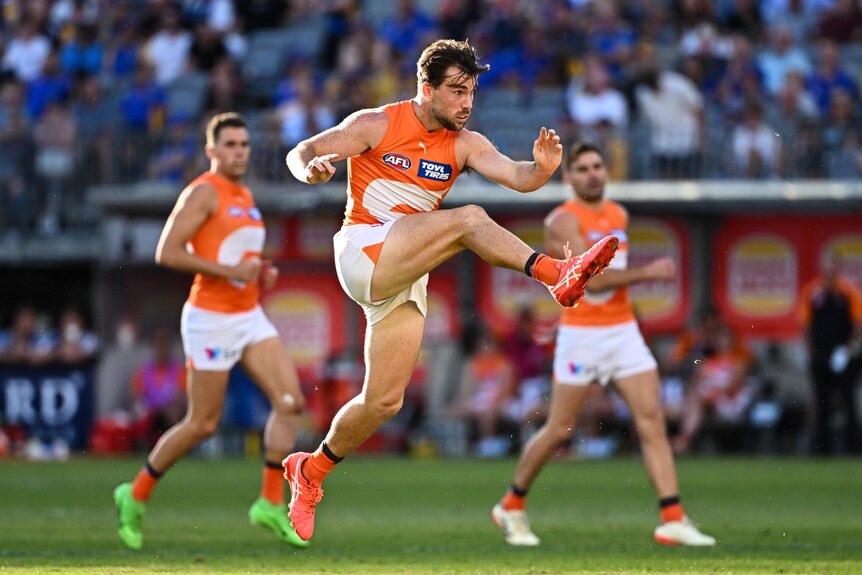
x,y
531,261
273,465
329,455
517,490
668,501
152,471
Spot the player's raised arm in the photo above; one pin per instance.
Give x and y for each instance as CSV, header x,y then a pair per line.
x,y
311,161
197,203
482,156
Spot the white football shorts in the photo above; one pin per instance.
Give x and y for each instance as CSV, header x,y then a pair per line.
x,y
355,268
602,353
214,341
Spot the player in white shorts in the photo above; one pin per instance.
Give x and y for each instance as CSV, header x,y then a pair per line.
x,y
599,341
216,232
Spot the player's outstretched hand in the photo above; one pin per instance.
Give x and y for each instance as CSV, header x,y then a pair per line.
x,y
320,169
268,274
547,150
661,269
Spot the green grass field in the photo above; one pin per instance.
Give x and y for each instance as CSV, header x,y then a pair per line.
x,y
404,516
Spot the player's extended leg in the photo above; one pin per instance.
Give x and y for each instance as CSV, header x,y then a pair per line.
x,y
509,514
206,392
418,243
642,394
391,350
272,370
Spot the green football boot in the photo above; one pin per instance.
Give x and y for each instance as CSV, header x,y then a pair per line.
x,y
130,514
274,517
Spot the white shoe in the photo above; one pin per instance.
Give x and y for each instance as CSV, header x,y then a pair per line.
x,y
515,526
682,533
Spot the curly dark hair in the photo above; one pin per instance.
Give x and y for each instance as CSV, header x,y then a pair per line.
x,y
439,56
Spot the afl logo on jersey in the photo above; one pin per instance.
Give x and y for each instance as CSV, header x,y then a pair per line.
x,y
397,161
235,212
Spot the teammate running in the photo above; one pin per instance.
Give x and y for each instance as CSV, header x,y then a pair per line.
x,y
401,162
216,232
599,341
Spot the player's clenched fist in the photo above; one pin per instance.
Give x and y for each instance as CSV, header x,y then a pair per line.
x,y
320,169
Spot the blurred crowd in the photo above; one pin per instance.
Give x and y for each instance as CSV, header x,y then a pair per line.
x,y
114,91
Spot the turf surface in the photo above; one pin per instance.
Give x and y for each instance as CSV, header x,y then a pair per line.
x,y
403,516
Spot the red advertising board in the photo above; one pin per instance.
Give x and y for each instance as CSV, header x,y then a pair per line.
x,y
761,264
308,311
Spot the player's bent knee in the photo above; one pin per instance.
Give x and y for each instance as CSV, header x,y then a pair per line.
x,y
288,404
204,429
385,409
472,216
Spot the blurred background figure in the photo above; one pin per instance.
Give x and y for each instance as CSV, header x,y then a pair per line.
x,y
159,390
76,343
28,340
487,387
830,313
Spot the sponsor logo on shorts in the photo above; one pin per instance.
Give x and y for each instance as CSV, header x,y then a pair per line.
x,y
216,353
397,161
581,369
434,171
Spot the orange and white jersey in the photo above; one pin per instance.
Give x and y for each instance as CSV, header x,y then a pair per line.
x,y
410,171
609,307
233,233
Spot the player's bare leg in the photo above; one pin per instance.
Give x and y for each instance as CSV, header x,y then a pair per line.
x,y
206,392
510,514
566,404
642,394
419,243
273,371
391,350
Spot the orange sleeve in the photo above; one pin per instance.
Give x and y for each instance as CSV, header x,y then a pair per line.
x,y
854,300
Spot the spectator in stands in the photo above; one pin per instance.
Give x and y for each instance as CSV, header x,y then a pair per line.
x,y
224,87
207,48
96,118
782,57
673,108
842,23
304,115
719,389
262,14
611,39
26,53
159,388
144,103
842,123
52,85
122,52
594,99
174,162
76,344
117,365
830,313
28,340
169,48
754,147
744,18
56,138
486,389
829,76
17,151
83,53
800,16
700,340
741,79
408,28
